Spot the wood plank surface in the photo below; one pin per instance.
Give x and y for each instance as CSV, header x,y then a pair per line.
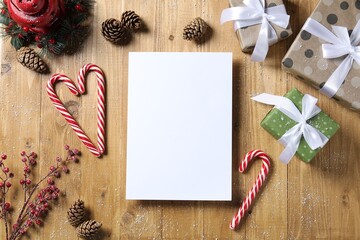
x,y
319,200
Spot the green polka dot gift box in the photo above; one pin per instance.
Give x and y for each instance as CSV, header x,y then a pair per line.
x,y
311,57
277,124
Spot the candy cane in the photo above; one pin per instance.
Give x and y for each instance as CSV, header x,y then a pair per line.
x,y
255,188
97,151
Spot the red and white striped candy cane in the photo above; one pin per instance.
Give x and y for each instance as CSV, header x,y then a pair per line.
x,y
97,151
255,188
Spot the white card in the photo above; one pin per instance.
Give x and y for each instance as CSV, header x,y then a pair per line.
x,y
179,133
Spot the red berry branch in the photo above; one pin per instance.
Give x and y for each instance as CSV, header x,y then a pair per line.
x,y
37,200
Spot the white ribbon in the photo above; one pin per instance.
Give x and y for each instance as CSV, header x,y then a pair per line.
x,y
255,13
291,139
339,44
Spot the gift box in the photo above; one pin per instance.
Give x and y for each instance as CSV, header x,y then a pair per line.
x,y
305,57
277,124
248,35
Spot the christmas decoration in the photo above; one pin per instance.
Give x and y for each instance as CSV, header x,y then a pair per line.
x,y
258,24
36,200
265,167
298,124
114,31
76,213
53,26
30,59
97,151
119,32
326,53
131,20
195,30
88,228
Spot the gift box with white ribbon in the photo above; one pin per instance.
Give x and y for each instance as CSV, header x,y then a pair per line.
x,y
258,24
297,123
326,53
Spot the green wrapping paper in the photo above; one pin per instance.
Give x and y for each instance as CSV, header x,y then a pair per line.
x,y
277,124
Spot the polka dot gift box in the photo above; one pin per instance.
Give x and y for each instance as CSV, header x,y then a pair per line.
x,y
277,124
326,53
258,24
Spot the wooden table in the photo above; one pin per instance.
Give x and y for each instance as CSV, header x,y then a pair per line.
x,y
299,201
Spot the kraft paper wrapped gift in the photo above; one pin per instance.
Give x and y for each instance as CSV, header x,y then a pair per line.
x,y
305,57
277,124
248,35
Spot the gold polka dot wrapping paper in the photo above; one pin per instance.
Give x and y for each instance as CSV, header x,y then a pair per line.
x,y
248,35
305,58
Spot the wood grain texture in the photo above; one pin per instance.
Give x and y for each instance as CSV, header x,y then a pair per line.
x,y
299,201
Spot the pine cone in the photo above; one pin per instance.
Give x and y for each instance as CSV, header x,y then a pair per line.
x,y
30,59
114,31
76,213
195,30
131,20
88,228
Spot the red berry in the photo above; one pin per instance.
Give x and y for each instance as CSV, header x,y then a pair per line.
x,y
65,169
50,181
52,168
52,41
20,35
28,181
22,181
54,195
67,147
79,8
32,154
57,174
8,184
1,184
29,222
38,222
37,38
11,175
7,206
3,11
22,153
3,156
39,45
76,151
32,162
27,169
26,29
24,160
6,169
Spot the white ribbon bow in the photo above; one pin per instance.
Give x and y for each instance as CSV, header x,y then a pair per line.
x,y
339,44
291,139
255,13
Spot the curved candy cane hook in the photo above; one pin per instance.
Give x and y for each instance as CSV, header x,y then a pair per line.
x,y
256,187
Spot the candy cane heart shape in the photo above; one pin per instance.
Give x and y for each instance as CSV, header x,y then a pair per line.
x,y
256,187
97,151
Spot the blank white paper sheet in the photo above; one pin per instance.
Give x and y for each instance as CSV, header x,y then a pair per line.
x,y
179,129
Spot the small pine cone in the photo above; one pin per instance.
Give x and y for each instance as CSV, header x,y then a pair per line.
x,y
76,213
131,20
88,228
113,30
195,30
30,59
